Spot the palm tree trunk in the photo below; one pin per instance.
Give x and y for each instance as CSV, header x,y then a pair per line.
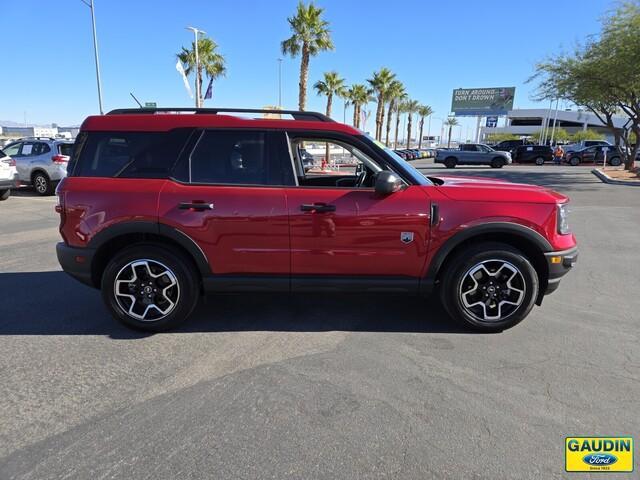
x,y
395,141
379,111
389,117
199,80
304,73
449,140
420,137
329,104
355,115
409,130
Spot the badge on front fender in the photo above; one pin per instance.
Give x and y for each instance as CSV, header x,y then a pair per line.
x,y
406,237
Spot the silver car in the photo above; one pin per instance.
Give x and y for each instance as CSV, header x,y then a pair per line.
x,y
41,161
473,154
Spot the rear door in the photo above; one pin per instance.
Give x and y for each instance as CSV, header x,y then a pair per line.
x,y
228,196
22,162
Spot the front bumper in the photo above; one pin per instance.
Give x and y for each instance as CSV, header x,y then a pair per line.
x,y
10,182
76,262
559,264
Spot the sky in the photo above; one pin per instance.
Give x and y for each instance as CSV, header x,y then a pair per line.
x,y
432,46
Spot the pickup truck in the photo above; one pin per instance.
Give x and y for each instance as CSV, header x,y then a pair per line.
x,y
473,154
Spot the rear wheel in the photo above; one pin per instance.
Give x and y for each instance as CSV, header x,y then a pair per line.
x,y
4,194
490,287
539,160
42,183
574,161
450,162
497,162
150,287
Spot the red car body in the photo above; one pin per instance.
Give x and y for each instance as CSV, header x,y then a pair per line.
x,y
257,237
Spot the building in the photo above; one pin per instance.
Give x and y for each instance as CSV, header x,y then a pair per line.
x,y
527,121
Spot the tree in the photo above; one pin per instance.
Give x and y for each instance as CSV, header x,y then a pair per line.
x,y
586,135
559,136
393,95
331,85
450,122
380,83
411,106
501,137
400,108
423,112
311,35
209,61
602,76
358,95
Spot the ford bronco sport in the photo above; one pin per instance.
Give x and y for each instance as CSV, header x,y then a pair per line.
x,y
163,205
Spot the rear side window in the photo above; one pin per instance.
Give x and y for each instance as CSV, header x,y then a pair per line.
x,y
236,158
129,154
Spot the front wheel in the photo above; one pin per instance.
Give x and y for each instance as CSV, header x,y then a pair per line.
x,y
574,161
497,162
491,287
150,287
4,194
615,162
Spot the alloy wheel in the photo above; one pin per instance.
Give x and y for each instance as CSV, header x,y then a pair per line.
x,y
492,290
146,290
40,184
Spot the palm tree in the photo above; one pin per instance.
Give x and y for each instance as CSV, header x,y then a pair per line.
x,y
311,35
451,122
358,96
380,83
400,108
423,111
411,106
394,93
331,85
209,61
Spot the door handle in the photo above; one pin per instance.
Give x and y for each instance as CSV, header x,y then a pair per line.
x,y
197,206
317,207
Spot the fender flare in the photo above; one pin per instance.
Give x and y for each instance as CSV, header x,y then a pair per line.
x,y
160,229
428,282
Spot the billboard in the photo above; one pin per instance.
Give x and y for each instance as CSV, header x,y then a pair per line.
x,y
482,101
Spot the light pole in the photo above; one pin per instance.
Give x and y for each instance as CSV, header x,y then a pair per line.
x,y
95,50
280,82
196,32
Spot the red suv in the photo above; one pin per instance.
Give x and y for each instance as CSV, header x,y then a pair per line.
x,y
161,206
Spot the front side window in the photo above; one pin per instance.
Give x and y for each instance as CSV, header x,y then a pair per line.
x,y
13,150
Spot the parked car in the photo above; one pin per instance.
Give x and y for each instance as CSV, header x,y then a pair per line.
x,y
510,145
594,154
537,154
307,159
8,175
41,161
574,147
473,154
158,208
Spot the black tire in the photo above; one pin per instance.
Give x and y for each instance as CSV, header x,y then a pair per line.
x,y
184,294
497,162
457,270
574,161
539,160
42,184
450,162
4,194
615,162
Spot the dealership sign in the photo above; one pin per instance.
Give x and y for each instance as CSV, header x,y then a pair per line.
x,y
482,101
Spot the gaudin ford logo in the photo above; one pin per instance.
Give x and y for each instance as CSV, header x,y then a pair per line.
x,y
599,454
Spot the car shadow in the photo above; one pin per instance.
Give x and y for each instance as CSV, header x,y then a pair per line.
x,y
52,303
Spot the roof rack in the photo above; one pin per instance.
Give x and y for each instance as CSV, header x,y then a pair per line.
x,y
31,137
296,114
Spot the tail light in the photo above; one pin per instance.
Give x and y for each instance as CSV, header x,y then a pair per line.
x,y
9,161
60,159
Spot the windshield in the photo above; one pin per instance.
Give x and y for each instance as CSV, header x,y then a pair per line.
x,y
406,167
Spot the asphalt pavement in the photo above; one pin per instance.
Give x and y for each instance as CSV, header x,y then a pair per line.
x,y
319,387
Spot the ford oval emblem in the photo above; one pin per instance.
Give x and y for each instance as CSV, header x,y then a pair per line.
x,y
600,459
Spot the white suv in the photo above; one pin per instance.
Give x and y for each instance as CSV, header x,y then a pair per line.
x,y
8,175
41,162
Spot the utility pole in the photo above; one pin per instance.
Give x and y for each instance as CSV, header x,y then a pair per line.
x,y
196,32
95,51
555,119
280,82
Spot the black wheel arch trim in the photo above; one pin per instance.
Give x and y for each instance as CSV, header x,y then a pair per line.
x,y
160,229
428,282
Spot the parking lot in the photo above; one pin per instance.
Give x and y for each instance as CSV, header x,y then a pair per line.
x,y
319,387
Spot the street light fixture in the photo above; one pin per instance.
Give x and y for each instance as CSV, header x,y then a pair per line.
x,y
196,32
95,50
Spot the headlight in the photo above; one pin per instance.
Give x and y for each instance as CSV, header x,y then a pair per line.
x,y
563,220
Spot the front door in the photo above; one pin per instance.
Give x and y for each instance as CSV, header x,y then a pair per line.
x,y
340,227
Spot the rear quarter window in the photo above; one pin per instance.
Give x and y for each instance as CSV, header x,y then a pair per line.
x,y
65,149
128,154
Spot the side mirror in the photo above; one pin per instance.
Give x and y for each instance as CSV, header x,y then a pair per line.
x,y
387,183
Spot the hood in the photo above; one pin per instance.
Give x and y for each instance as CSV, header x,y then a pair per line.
x,y
480,189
